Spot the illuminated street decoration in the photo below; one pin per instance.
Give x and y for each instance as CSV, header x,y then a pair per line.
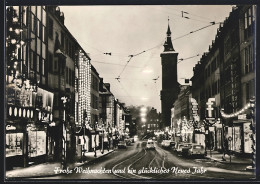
x,y
83,87
224,115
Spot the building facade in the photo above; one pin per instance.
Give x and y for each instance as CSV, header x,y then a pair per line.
x,y
228,75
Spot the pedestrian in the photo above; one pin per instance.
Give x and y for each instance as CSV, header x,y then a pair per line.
x,y
225,149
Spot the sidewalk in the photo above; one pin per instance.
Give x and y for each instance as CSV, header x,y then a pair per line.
x,y
47,169
216,156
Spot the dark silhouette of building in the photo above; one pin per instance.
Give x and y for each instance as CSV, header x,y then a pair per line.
x,y
170,85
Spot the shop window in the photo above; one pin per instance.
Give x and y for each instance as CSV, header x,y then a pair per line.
x,y
14,144
36,143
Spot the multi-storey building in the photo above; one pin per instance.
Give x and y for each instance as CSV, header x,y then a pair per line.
x,y
61,76
182,115
29,98
152,120
227,70
82,102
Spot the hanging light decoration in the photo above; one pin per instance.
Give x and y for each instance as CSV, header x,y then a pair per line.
x,y
224,115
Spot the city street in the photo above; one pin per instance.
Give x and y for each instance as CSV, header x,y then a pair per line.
x,y
115,92
135,163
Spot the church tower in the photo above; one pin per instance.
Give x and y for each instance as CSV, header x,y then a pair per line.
x,y
170,85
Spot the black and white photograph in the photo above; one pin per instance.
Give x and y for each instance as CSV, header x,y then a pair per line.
x,y
130,92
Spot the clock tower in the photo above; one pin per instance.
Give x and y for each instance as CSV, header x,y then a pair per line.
x,y
170,85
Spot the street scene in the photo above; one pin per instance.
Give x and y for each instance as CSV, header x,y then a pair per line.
x,y
130,92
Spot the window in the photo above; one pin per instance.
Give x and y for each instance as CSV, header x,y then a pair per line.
x,y
44,17
250,90
73,78
50,58
38,63
34,23
66,45
39,12
248,21
44,34
67,75
51,28
70,77
14,144
33,9
249,64
43,67
214,65
39,29
55,67
62,40
25,16
33,57
209,70
227,46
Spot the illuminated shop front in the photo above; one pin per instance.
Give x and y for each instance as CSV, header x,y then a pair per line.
x,y
28,116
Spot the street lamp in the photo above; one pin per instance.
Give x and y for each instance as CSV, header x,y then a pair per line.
x,y
64,138
223,146
102,136
95,128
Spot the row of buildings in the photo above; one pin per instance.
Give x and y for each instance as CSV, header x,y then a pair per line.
x,y
215,108
57,105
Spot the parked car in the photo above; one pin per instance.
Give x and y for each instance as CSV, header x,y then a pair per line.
x,y
168,144
154,138
185,149
197,149
128,142
135,138
132,139
150,145
122,144
179,147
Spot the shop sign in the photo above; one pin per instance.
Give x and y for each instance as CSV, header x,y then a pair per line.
x,y
242,116
10,127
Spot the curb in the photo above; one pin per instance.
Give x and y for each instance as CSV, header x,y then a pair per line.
x,y
227,162
50,175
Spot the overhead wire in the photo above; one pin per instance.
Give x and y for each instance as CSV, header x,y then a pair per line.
x,y
182,59
134,55
212,24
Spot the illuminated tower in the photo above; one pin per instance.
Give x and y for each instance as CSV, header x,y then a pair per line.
x,y
170,85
